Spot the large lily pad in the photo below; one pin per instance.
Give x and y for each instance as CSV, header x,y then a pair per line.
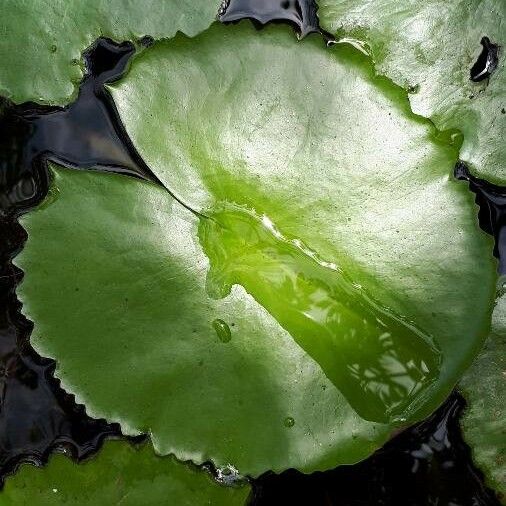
x,y
115,283
119,474
311,139
311,171
42,40
484,421
430,48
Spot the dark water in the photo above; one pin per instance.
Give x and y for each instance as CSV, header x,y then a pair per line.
x,y
86,134
36,415
492,214
427,464
301,14
487,61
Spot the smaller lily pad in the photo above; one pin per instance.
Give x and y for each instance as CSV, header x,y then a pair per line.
x,y
431,48
484,387
119,474
42,40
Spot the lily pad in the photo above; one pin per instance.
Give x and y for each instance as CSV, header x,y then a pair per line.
x,y
309,139
484,387
139,341
119,474
42,40
308,170
430,48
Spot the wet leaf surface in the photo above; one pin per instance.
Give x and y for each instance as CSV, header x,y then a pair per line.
x,y
336,161
430,48
151,315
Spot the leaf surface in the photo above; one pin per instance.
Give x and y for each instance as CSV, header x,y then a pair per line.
x,y
334,245
42,40
119,475
484,387
134,334
312,141
430,48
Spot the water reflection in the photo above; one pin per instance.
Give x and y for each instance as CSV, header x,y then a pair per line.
x,y
492,215
377,359
301,14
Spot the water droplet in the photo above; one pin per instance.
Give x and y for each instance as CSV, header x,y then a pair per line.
x,y
412,89
289,422
222,330
53,48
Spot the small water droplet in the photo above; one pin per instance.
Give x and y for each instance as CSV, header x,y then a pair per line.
x,y
289,422
413,89
53,48
222,330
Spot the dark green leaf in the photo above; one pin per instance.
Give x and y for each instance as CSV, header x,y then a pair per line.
x,y
118,475
484,386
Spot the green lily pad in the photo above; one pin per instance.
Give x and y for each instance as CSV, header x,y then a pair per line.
x,y
42,40
139,341
484,387
313,141
119,474
326,200
429,48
